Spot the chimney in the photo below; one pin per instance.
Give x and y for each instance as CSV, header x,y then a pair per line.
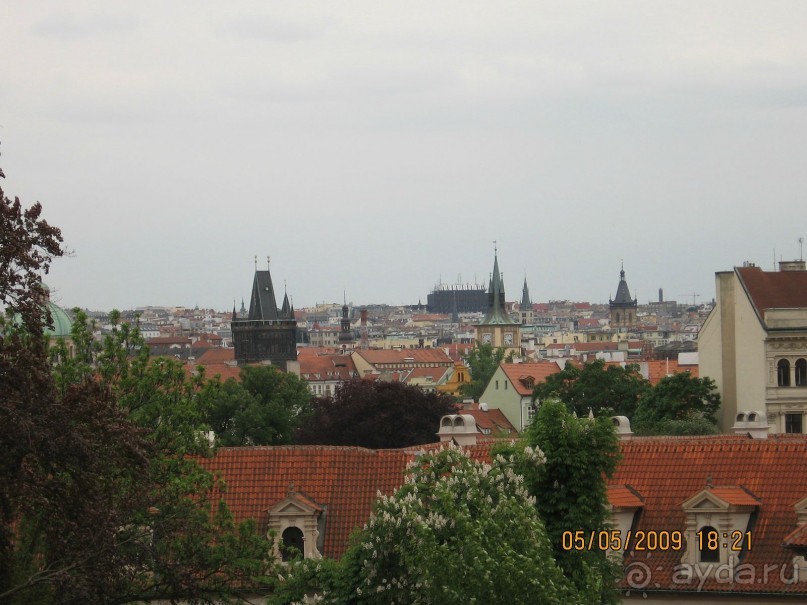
x,y
622,425
754,424
459,428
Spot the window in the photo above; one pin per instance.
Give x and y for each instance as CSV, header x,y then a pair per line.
x,y
801,373
709,545
505,385
497,384
783,373
293,543
793,423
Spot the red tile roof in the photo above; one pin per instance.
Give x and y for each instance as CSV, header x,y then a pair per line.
x,y
659,368
655,476
395,356
493,420
217,355
326,367
774,289
767,473
622,496
519,373
343,479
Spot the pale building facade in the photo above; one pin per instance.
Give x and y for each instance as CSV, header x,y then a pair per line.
x,y
754,345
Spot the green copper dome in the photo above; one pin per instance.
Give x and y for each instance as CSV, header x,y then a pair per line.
x,y
61,324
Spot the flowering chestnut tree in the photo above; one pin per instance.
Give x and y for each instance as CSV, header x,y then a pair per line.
x,y
457,531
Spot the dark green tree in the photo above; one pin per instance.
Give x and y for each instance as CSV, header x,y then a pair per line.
x,y
680,404
570,490
185,545
482,362
100,501
604,389
266,408
375,415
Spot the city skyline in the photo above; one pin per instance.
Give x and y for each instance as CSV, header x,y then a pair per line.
x,y
372,149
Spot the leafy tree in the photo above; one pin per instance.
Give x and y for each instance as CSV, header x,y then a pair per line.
x,y
99,501
603,389
679,404
570,490
193,550
265,408
456,532
28,244
375,415
482,362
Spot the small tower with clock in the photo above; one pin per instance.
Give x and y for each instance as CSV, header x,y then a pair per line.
x,y
498,328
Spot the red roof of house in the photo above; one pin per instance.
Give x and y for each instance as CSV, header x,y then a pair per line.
x,y
343,479
216,355
774,289
492,419
762,473
655,476
326,367
659,368
396,356
622,496
519,373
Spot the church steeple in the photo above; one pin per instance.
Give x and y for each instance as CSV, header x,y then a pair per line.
x,y
525,296
345,333
496,308
623,308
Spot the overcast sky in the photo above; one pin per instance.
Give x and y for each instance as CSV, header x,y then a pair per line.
x,y
377,147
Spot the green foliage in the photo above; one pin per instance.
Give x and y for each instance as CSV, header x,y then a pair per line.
x,y
679,405
376,415
265,408
570,490
482,362
606,390
456,532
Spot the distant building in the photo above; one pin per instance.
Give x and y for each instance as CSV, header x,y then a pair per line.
x,y
623,308
268,333
497,328
454,299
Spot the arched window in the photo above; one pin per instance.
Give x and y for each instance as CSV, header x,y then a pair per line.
x,y
801,373
293,543
709,545
783,373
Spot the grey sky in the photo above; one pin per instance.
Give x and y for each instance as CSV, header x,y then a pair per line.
x,y
374,147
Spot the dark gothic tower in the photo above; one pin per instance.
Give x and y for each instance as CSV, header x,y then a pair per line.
x,y
345,333
266,334
525,308
623,307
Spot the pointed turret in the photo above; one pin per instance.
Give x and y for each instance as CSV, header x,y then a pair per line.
x,y
526,303
496,311
623,307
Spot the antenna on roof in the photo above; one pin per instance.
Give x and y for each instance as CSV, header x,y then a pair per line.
x,y
267,262
801,248
256,262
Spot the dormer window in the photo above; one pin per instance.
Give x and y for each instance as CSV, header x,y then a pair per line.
x,y
708,545
718,520
297,524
